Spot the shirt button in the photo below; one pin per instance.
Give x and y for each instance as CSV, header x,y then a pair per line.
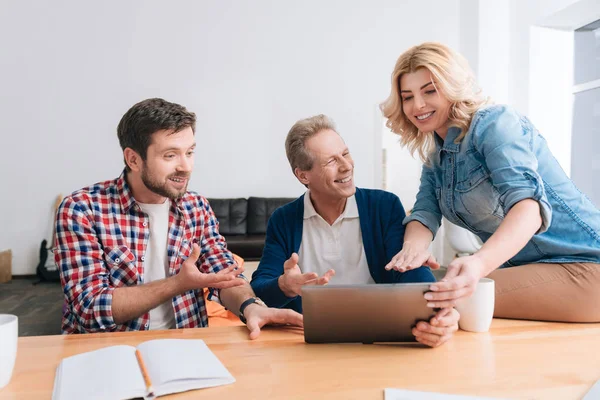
x,y
185,241
145,224
146,325
143,258
117,260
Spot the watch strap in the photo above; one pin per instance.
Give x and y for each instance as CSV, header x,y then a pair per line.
x,y
251,300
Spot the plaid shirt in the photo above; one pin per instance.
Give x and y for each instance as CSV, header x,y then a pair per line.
x,y
102,235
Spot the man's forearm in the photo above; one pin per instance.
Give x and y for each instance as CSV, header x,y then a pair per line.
x,y
133,301
232,298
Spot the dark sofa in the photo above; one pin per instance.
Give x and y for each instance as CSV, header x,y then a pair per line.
x,y
243,222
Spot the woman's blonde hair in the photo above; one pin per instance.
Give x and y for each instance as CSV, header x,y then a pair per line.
x,y
454,80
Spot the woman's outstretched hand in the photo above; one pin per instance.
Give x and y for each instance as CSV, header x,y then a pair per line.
x,y
412,257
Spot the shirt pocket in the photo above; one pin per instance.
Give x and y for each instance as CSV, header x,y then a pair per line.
x,y
122,265
476,196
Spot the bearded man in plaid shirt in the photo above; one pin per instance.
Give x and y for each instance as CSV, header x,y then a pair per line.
x,y
137,252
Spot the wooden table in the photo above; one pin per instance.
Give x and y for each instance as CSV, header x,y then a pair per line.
x,y
516,359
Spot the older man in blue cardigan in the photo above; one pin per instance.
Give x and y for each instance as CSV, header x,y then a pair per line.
x,y
335,231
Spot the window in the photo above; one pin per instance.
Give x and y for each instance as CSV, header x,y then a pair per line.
x,y
585,150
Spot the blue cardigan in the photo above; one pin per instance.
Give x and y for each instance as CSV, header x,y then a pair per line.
x,y
381,215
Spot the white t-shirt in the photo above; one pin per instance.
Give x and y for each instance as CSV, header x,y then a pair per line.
x,y
156,260
338,246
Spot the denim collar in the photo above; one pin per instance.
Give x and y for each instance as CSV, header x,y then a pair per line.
x,y
448,144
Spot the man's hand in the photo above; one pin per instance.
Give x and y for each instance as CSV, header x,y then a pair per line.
x,y
460,282
258,316
190,277
439,329
293,279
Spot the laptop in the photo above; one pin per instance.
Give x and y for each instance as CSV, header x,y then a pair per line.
x,y
363,313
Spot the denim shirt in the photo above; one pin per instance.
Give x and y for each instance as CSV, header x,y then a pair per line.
x,y
502,160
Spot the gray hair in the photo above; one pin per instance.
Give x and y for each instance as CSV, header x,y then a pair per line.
x,y
295,147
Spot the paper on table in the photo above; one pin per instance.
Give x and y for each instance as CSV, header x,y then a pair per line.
x,y
401,394
594,392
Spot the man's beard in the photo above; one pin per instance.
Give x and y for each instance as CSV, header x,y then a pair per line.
x,y
162,188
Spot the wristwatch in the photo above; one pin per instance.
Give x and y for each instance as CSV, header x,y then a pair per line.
x,y
251,300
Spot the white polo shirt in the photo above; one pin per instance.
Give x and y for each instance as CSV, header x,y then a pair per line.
x,y
338,246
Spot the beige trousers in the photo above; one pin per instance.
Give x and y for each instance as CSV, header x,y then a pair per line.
x,y
548,292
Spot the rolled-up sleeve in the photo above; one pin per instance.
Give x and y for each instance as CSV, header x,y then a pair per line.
x,y
83,273
426,209
506,143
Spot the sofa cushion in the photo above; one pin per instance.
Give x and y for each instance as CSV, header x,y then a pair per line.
x,y
260,210
251,246
231,214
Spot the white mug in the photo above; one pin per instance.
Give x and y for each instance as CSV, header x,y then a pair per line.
x,y
477,311
9,332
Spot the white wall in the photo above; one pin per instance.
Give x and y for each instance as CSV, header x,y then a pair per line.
x,y
249,70
551,62
585,148
525,16
502,61
494,67
586,144
469,33
551,83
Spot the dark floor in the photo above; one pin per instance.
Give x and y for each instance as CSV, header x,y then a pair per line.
x,y
39,307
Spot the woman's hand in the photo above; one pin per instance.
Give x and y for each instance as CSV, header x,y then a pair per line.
x,y
460,282
412,257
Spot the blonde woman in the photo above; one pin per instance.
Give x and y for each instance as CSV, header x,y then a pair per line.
x,y
487,169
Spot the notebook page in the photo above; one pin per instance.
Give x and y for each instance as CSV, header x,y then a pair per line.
x,y
187,361
109,373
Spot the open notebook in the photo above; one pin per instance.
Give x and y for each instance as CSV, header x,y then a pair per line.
x,y
173,365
